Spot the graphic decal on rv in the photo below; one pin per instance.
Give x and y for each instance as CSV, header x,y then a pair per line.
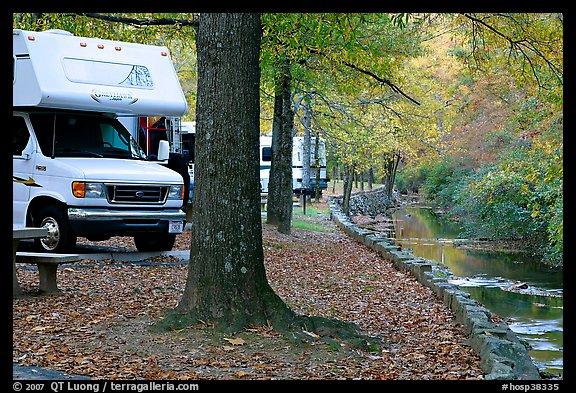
x,y
27,182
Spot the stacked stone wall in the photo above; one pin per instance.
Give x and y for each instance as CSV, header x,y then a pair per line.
x,y
369,203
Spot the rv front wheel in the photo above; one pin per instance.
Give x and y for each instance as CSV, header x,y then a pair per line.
x,y
60,237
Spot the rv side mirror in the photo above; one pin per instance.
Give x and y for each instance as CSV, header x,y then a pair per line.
x,y
163,150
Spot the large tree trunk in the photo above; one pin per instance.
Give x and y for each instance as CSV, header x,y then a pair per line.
x,y
273,204
280,189
226,281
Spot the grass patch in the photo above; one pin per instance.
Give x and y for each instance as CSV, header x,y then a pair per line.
x,y
309,226
310,211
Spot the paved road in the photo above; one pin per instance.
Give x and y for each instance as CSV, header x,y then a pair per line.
x,y
27,373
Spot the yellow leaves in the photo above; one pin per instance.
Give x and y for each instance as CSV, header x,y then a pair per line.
x,y
235,341
47,328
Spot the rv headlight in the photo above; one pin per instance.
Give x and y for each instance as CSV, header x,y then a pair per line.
x,y
176,192
82,189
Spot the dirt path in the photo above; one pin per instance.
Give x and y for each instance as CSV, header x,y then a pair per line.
x,y
99,326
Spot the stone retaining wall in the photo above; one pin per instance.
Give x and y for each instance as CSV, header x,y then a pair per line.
x,y
368,203
502,355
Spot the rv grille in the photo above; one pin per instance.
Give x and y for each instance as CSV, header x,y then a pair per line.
x,y
134,193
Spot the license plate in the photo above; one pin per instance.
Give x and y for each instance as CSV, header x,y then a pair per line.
x,y
176,227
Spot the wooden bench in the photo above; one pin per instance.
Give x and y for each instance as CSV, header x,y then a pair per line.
x,y
47,263
47,267
20,233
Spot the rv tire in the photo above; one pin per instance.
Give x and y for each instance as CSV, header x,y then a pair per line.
x,y
60,237
154,242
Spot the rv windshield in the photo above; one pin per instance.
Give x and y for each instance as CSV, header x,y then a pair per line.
x,y
84,135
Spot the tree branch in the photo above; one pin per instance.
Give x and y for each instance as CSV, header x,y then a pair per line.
x,y
140,21
384,81
524,46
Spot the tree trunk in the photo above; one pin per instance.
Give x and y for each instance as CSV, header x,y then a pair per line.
x,y
273,204
347,192
280,188
370,178
306,146
334,176
391,167
317,167
226,281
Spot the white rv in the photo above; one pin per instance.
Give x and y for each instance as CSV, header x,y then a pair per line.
x,y
298,158
188,145
77,171
297,164
265,162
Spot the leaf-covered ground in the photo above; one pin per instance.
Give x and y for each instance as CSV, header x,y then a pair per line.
x,y
99,325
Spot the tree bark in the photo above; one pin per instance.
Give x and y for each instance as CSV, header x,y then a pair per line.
x,y
226,281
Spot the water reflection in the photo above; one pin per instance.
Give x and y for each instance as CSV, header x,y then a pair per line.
x,y
534,312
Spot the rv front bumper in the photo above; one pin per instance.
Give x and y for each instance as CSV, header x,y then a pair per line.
x,y
105,223
103,214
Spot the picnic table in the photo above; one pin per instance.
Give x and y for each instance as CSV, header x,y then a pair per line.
x,y
47,262
17,235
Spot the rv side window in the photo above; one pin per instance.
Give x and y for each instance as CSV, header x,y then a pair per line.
x,y
107,73
20,135
267,153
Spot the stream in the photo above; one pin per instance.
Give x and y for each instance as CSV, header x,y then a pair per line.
x,y
512,285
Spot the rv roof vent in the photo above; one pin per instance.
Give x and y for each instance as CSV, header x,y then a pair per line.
x,y
58,31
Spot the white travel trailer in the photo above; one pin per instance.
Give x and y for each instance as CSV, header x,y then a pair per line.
x,y
298,158
77,171
265,161
297,164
